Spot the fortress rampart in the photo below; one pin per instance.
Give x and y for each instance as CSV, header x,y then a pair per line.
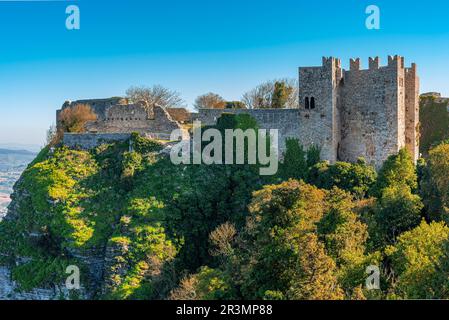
x,y
370,113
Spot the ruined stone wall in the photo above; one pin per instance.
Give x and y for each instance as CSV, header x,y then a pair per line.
x,y
369,113
86,141
99,106
127,118
287,121
319,122
373,111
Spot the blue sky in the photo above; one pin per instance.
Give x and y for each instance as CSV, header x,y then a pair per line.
x,y
195,46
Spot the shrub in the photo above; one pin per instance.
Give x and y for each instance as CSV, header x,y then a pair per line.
x,y
358,178
74,119
144,145
398,170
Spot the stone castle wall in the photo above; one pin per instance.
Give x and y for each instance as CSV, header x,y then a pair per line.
x,y
412,110
380,111
86,141
287,121
99,106
134,118
115,115
319,100
370,113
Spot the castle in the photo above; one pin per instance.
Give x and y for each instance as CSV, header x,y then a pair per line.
x,y
370,113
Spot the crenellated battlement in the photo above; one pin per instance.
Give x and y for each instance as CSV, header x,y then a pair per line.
x,y
374,63
396,61
354,64
331,62
370,113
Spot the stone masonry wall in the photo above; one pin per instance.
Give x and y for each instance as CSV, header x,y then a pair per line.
x,y
372,113
285,120
86,141
99,106
412,110
134,118
320,124
127,118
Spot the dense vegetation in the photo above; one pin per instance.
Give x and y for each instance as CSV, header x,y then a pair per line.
x,y
434,119
224,232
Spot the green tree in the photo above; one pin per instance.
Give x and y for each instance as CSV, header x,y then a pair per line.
x,y
313,155
280,252
419,263
345,236
340,228
282,93
211,195
357,178
294,165
398,170
315,277
397,211
435,183
434,123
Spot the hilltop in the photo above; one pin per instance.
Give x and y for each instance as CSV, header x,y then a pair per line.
x,y
140,227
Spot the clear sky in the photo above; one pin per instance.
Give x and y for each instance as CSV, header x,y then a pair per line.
x,y
195,46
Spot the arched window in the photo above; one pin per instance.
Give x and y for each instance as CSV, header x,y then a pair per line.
x,y
307,105
312,103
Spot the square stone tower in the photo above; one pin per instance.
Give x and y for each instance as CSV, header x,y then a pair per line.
x,y
370,113
319,96
379,111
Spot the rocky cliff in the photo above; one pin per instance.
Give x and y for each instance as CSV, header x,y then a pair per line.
x,y
71,208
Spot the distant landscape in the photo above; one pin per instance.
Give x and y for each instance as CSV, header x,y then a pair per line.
x,y
12,164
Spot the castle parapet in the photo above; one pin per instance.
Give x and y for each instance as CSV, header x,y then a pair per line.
x,y
374,63
331,62
354,64
396,61
412,69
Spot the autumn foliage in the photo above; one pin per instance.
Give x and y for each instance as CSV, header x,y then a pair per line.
x,y
74,119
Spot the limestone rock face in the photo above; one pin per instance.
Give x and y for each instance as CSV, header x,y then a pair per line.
x,y
10,290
